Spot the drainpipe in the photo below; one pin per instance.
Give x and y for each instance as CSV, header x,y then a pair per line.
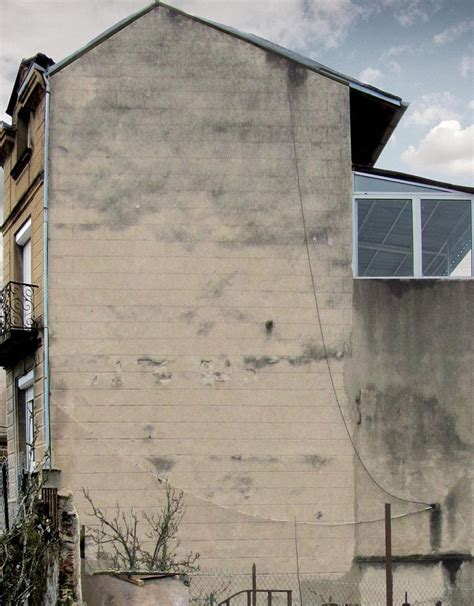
x,y
46,383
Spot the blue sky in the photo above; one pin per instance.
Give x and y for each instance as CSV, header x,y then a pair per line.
x,y
421,50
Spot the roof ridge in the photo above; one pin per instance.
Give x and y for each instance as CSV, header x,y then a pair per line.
x,y
246,37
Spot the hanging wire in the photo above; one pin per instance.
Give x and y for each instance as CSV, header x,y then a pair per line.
x,y
323,340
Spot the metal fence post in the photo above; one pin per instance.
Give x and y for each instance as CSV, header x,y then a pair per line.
x,y
254,585
6,513
388,554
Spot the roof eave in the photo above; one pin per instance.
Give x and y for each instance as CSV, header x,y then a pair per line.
x,y
397,116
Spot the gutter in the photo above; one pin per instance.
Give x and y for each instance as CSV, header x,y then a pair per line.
x,y
46,379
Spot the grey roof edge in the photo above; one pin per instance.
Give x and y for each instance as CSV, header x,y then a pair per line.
x,y
108,33
397,175
251,38
311,64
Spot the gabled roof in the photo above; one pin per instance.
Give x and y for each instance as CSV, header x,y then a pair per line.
x,y
251,38
39,59
374,112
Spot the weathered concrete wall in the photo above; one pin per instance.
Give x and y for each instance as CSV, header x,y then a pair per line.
x,y
411,385
102,589
176,240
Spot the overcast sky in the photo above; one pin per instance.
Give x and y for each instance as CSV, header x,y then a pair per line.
x,y
421,50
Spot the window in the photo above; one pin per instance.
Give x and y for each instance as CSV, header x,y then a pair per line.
x,y
422,234
24,142
24,257
23,136
25,416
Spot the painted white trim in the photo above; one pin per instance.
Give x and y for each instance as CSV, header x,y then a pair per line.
x,y
26,380
417,237
355,239
24,233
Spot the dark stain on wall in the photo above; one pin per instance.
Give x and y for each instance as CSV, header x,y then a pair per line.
x,y
399,288
258,362
313,352
409,425
452,567
459,497
237,458
297,75
148,361
174,16
238,483
435,528
315,460
205,328
162,464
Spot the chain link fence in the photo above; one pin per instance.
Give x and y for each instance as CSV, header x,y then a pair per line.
x,y
311,590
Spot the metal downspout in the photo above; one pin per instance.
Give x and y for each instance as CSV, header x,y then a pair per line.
x,y
46,382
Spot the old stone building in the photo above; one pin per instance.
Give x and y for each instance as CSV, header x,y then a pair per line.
x,y
232,297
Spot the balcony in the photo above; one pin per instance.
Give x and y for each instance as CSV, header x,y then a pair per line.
x,y
18,329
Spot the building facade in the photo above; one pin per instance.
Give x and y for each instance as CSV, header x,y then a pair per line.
x,y
232,307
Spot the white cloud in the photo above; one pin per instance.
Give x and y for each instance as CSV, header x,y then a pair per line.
x,y
394,66
432,108
396,51
466,66
58,27
53,27
452,33
292,23
409,12
446,149
370,75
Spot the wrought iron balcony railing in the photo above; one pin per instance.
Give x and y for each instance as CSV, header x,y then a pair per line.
x,y
17,322
16,307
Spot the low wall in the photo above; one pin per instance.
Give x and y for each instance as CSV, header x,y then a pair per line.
x,y
106,589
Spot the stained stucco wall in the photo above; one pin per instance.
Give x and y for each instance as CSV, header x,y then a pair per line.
x,y
411,383
176,235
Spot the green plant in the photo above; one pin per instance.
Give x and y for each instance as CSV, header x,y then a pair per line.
x,y
66,597
27,549
118,538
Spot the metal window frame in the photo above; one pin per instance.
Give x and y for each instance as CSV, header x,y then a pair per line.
x,y
25,383
415,198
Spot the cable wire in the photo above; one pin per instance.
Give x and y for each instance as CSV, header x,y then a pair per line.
x,y
323,340
163,481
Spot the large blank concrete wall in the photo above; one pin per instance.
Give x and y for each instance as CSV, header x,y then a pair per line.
x,y
176,236
411,379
